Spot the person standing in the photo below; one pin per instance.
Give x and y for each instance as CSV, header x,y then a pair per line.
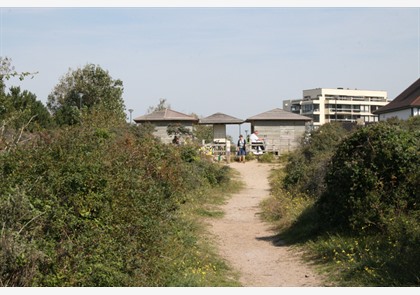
x,y
175,140
241,148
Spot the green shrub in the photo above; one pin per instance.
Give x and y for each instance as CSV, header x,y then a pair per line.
x,y
373,177
364,228
306,167
250,156
94,205
267,158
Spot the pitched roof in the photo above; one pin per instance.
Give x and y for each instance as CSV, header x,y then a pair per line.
x,y
220,118
165,115
407,99
278,115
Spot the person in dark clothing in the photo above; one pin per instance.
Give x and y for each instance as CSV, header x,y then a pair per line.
x,y
175,140
241,148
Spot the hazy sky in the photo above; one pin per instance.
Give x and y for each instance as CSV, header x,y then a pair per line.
x,y
240,61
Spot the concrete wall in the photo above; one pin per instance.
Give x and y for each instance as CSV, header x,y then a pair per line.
x,y
280,136
161,131
403,115
219,132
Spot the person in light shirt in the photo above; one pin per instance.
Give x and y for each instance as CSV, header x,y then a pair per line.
x,y
255,139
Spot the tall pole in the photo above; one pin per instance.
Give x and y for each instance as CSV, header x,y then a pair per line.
x,y
130,110
80,100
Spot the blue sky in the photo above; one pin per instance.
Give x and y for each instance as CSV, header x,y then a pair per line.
x,y
240,61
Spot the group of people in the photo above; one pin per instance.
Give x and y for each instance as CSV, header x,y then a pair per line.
x,y
241,145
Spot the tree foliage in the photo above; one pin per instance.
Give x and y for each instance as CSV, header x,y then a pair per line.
x,y
203,132
20,112
7,71
162,105
20,107
88,87
177,129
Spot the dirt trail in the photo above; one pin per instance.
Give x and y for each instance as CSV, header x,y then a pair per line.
x,y
248,244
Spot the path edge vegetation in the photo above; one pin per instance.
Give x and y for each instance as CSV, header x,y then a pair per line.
x,y
349,198
78,210
88,200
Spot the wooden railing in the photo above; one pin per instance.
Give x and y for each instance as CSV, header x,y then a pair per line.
x,y
257,148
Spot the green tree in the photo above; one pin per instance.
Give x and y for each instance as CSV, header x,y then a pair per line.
x,y
22,107
203,132
19,111
163,104
7,71
177,129
88,87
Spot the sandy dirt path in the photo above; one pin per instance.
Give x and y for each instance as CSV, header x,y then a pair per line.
x,y
248,244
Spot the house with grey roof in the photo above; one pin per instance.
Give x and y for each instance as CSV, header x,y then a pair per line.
x,y
282,130
405,105
219,122
221,146
162,119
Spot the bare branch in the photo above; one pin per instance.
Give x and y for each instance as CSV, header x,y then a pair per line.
x,y
30,222
23,128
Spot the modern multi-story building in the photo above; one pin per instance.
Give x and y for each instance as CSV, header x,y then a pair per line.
x,y
326,105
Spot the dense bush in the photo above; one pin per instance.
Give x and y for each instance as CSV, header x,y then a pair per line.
x,y
373,177
364,223
306,167
93,205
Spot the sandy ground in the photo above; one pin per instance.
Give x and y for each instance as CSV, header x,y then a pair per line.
x,y
248,244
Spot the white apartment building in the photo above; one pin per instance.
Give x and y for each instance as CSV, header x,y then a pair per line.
x,y
326,105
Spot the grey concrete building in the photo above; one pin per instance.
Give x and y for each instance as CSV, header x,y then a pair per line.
x,y
282,130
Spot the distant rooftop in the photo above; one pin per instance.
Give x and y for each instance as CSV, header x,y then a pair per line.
x,y
220,118
278,115
165,115
410,97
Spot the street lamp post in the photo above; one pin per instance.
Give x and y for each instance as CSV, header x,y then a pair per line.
x,y
131,111
80,100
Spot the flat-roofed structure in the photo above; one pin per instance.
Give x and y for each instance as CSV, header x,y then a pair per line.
x,y
325,105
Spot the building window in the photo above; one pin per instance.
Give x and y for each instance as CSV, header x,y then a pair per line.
x,y
364,108
307,108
